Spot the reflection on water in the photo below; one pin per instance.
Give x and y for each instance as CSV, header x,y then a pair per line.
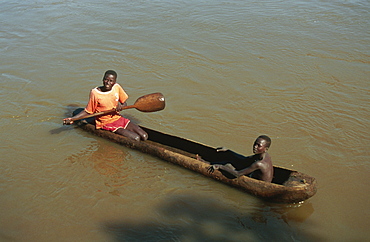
x,y
108,162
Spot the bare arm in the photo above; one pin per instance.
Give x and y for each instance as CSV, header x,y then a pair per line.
x,y
81,114
231,169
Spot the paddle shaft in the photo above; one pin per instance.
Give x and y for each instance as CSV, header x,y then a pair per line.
x,y
102,113
147,103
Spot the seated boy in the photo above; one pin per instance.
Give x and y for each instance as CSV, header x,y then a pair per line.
x,y
261,168
107,97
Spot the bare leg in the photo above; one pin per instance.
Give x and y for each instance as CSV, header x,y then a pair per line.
x,y
128,134
136,129
133,131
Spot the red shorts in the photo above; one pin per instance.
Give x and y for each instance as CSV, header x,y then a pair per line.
x,y
121,123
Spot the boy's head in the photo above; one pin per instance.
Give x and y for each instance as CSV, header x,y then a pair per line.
x,y
110,72
262,144
109,80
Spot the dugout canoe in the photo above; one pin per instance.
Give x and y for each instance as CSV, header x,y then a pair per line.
x,y
288,186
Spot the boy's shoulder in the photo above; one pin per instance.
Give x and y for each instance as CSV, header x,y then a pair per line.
x,y
267,160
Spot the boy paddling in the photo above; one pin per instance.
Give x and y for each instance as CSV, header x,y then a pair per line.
x,y
261,168
107,97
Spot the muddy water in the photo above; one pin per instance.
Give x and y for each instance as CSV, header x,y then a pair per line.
x,y
297,71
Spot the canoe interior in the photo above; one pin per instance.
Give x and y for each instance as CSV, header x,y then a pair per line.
x,y
210,154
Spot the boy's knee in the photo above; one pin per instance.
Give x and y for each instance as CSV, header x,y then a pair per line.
x,y
132,135
136,137
144,136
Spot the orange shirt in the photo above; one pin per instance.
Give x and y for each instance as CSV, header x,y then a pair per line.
x,y
101,101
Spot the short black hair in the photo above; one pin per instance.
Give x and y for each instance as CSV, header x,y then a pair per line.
x,y
110,72
265,137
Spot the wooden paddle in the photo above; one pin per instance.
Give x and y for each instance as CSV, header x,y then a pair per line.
x,y
148,103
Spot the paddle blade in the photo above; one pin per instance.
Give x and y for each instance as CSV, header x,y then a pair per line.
x,y
150,103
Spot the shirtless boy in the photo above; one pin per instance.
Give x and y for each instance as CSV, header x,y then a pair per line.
x,y
261,168
107,97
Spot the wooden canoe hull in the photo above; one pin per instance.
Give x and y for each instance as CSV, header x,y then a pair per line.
x,y
288,186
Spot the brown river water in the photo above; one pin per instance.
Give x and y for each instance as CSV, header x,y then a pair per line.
x,y
298,71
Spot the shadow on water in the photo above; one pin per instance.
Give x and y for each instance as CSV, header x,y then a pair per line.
x,y
189,218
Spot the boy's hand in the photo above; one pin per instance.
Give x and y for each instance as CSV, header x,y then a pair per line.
x,y
220,149
212,168
67,121
120,106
